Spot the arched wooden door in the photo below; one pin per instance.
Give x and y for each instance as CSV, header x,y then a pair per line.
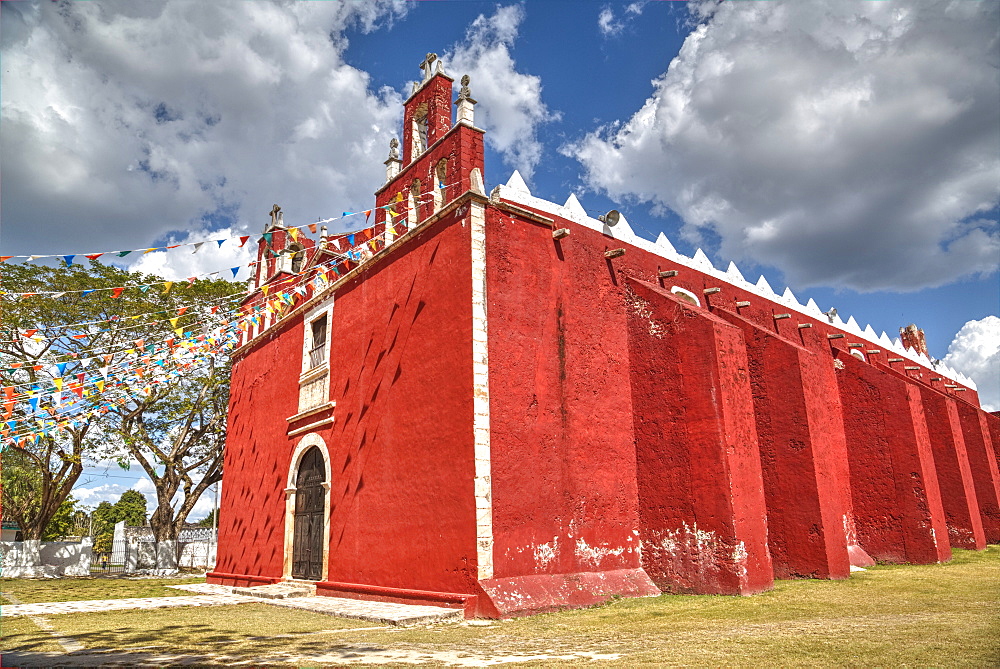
x,y
310,496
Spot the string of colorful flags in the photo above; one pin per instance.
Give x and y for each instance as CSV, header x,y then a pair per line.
x,y
294,231
146,357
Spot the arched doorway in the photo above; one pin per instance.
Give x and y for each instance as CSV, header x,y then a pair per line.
x,y
310,495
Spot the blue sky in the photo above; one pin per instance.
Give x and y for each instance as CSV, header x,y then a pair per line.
x,y
850,151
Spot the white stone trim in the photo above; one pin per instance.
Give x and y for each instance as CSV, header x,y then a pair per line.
x,y
304,445
481,394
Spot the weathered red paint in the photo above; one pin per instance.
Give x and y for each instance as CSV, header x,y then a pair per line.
x,y
796,424
958,490
897,502
983,466
637,443
702,509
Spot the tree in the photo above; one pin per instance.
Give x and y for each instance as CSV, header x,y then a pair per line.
x,y
180,427
62,523
131,507
210,519
74,353
23,495
105,518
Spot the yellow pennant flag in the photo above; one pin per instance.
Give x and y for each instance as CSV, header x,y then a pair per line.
x,y
294,234
166,286
100,385
59,383
265,288
173,322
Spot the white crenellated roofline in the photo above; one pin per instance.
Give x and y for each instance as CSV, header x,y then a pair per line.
x,y
516,191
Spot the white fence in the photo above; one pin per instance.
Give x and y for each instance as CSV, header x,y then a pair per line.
x,y
33,558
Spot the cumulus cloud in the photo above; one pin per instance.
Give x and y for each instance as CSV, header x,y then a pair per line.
x,y
510,102
210,257
124,122
849,144
975,351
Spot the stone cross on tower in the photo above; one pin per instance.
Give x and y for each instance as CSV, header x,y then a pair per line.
x,y
276,217
428,65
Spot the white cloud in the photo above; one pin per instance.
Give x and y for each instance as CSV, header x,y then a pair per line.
x,y
510,105
607,24
182,263
975,351
133,120
849,144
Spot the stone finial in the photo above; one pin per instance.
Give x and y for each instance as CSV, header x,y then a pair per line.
x,y
466,104
464,93
393,164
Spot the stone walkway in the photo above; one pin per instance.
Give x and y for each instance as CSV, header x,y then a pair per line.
x,y
98,605
220,595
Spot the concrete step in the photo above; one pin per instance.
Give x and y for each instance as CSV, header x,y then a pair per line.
x,y
387,613
283,590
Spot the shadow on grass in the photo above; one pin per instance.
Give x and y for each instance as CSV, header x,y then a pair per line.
x,y
177,644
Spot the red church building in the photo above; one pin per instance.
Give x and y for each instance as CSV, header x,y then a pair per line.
x,y
495,402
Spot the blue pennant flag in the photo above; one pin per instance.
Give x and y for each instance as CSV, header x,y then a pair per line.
x,y
69,260
221,241
236,271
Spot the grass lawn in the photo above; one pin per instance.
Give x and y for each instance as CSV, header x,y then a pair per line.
x,y
930,615
33,590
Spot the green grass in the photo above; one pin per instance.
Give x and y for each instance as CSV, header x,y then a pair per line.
x,y
931,615
33,590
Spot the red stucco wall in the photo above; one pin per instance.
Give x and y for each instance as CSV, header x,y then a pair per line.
x,y
563,460
896,499
958,490
797,426
402,511
701,506
983,466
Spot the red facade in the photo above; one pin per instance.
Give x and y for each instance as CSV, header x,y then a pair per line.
x,y
514,419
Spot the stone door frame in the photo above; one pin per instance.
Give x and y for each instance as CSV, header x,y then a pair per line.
x,y
307,442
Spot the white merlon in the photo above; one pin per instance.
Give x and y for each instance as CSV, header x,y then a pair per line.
x,y
701,261
664,245
883,340
813,309
574,208
734,273
764,288
516,182
788,297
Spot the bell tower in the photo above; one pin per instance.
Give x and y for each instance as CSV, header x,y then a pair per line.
x,y
441,158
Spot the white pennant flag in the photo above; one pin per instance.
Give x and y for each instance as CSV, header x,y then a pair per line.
x,y
197,246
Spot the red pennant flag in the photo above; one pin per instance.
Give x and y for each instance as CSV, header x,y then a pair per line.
x,y
312,228
192,280
139,343
215,309
117,292
5,258
93,256
180,312
243,240
169,247
28,333
81,336
367,214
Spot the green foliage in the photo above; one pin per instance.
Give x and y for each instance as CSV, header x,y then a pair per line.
x,y
61,525
81,333
209,520
131,507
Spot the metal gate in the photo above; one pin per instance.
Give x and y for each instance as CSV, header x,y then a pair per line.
x,y
113,562
310,496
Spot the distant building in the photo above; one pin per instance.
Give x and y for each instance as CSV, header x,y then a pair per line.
x,y
504,404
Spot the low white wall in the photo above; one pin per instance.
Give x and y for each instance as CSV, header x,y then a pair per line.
x,y
33,558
